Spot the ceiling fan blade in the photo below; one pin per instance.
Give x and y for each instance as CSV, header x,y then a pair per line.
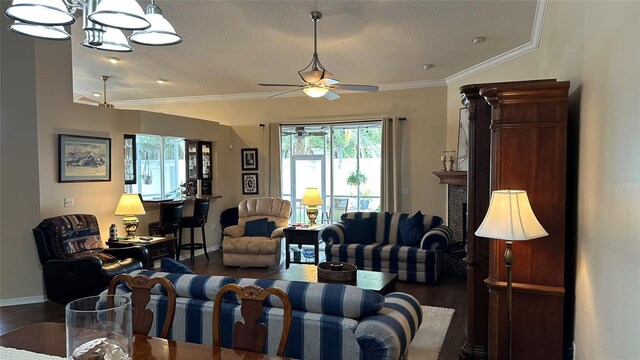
x,y
286,92
330,95
355,87
281,85
327,81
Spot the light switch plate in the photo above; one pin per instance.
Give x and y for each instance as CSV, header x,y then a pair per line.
x,y
404,191
68,202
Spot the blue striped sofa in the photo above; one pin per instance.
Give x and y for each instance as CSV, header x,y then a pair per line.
x,y
386,252
330,321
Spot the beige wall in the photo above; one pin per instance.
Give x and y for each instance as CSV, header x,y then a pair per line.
x,y
36,107
422,141
594,45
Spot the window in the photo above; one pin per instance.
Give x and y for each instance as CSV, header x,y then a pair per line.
x,y
342,160
160,166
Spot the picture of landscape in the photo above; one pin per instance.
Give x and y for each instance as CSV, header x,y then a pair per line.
x,y
84,158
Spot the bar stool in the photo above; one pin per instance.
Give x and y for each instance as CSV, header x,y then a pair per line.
x,y
169,223
199,219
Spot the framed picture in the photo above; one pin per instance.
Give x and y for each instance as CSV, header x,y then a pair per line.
x,y
249,159
250,183
83,158
130,160
463,140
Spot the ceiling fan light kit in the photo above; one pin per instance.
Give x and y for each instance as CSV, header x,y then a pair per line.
x,y
44,19
318,82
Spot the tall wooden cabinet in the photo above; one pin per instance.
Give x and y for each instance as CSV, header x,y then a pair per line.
x,y
524,147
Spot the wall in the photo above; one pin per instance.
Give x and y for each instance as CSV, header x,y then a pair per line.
x,y
422,132
594,45
36,107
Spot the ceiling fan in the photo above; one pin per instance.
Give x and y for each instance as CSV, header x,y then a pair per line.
x,y
301,132
318,82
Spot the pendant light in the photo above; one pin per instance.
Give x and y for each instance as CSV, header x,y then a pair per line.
x,y
160,33
121,14
40,12
40,31
315,91
112,40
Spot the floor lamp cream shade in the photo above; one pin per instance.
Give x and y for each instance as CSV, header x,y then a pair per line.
x,y
510,218
129,206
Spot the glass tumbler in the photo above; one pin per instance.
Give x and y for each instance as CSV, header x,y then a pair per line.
x,y
99,327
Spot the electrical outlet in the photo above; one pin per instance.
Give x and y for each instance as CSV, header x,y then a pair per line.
x,y
68,202
404,191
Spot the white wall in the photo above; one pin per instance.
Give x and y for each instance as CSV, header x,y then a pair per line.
x,y
595,46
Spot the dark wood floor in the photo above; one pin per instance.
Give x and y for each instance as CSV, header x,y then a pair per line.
x,y
450,292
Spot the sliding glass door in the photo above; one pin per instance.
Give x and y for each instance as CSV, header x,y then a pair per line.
x,y
342,160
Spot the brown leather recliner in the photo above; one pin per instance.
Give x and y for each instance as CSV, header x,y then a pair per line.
x,y
239,249
75,264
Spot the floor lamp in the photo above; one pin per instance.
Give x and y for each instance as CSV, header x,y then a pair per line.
x,y
510,218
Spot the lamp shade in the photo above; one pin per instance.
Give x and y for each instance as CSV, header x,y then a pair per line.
x,y
510,217
311,197
112,40
121,14
315,91
49,32
160,33
130,204
40,12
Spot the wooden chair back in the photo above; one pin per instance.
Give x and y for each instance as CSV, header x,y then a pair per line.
x,y
251,335
140,286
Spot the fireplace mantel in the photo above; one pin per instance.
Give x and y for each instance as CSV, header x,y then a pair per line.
x,y
452,177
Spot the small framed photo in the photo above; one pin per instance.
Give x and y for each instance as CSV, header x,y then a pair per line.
x,y
250,184
249,159
83,158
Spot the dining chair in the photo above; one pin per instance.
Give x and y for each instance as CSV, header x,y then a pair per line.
x,y
251,335
169,222
199,219
140,286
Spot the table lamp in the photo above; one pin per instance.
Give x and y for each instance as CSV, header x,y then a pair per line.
x,y
129,206
312,199
510,218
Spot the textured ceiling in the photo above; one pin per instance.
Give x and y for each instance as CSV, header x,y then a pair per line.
x,y
230,46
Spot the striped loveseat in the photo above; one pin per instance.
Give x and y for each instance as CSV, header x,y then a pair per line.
x,y
330,321
386,251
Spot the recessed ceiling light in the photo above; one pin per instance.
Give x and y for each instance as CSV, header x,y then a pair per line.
x,y
479,39
97,94
113,59
427,66
162,81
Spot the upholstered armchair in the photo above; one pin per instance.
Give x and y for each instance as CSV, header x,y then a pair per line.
x,y
74,263
251,243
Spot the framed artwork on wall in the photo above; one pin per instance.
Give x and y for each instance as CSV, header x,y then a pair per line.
x,y
249,159
83,158
130,173
463,140
250,184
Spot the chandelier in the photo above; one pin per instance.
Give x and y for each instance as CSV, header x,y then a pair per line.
x,y
103,22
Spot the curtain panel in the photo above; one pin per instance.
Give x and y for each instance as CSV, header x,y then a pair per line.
x,y
391,151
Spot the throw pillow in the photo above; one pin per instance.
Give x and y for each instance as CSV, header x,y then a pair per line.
x,y
271,226
358,231
173,266
258,227
412,229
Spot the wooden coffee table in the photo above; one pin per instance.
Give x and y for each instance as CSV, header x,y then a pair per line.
x,y
382,283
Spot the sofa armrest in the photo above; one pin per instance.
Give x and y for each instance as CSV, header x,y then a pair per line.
x,y
388,333
438,238
277,233
140,253
235,231
333,234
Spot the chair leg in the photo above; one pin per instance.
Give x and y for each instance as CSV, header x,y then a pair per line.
x,y
204,243
179,249
192,246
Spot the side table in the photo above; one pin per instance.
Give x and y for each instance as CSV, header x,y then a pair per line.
x,y
302,236
158,247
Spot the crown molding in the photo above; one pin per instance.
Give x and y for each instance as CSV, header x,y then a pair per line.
x,y
532,45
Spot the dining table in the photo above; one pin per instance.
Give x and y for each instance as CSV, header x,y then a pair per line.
x,y
49,338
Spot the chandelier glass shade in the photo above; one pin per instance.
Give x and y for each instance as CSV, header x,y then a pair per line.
x,y
160,33
40,31
102,22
